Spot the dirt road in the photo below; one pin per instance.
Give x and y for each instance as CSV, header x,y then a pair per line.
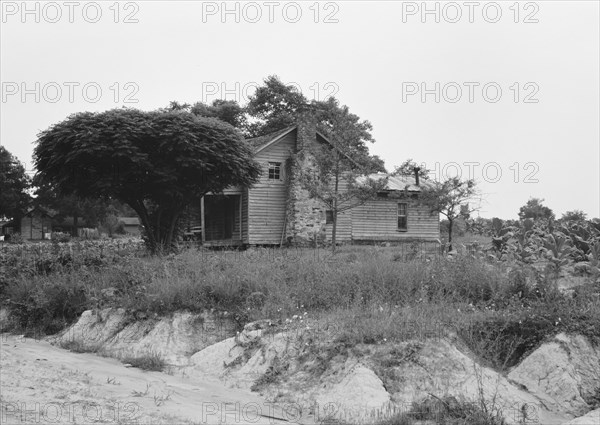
x,y
40,384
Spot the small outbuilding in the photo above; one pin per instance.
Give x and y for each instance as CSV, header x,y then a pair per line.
x,y
131,225
36,224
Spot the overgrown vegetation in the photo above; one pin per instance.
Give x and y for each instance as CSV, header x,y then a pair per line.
x,y
502,309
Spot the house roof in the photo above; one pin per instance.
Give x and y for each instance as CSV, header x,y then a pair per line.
x,y
50,213
261,142
130,221
399,183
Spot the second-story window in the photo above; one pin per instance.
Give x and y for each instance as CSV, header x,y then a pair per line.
x,y
274,170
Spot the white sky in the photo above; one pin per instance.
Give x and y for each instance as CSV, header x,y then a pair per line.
x,y
188,51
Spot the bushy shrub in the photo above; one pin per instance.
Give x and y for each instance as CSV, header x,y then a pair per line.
x,y
60,237
15,238
89,234
42,305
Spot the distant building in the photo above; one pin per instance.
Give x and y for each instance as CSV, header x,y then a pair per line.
x,y
131,225
36,224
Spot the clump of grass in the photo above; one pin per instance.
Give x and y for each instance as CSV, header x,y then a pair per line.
x,y
593,400
78,347
271,376
447,410
152,362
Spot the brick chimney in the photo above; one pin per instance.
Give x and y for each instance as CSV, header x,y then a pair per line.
x,y
417,169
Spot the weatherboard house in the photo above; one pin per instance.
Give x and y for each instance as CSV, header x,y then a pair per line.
x,y
278,210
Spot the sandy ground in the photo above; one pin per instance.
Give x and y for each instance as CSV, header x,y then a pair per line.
x,y
41,384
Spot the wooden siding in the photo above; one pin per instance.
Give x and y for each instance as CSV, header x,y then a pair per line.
x,y
267,199
378,220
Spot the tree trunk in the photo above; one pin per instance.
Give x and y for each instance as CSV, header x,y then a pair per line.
x,y
335,202
75,223
334,228
140,209
450,225
172,225
157,234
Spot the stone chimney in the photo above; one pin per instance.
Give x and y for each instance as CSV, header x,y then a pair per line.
x,y
304,216
307,132
417,169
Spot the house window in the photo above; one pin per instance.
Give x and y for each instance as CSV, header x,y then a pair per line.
x,y
274,170
328,216
402,216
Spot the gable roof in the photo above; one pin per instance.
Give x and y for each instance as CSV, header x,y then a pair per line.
x,y
261,142
399,183
47,211
339,150
130,221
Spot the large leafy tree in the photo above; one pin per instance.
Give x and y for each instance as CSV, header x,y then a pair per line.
x,y
351,133
275,106
14,185
535,209
156,162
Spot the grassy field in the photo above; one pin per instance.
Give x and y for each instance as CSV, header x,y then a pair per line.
x,y
361,294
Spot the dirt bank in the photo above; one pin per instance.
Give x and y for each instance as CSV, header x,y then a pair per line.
x,y
41,383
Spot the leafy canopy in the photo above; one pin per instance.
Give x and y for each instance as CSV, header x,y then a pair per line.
x,y
275,106
228,111
14,184
156,162
575,215
536,210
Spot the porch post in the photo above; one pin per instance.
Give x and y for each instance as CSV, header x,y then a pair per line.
x,y
202,220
